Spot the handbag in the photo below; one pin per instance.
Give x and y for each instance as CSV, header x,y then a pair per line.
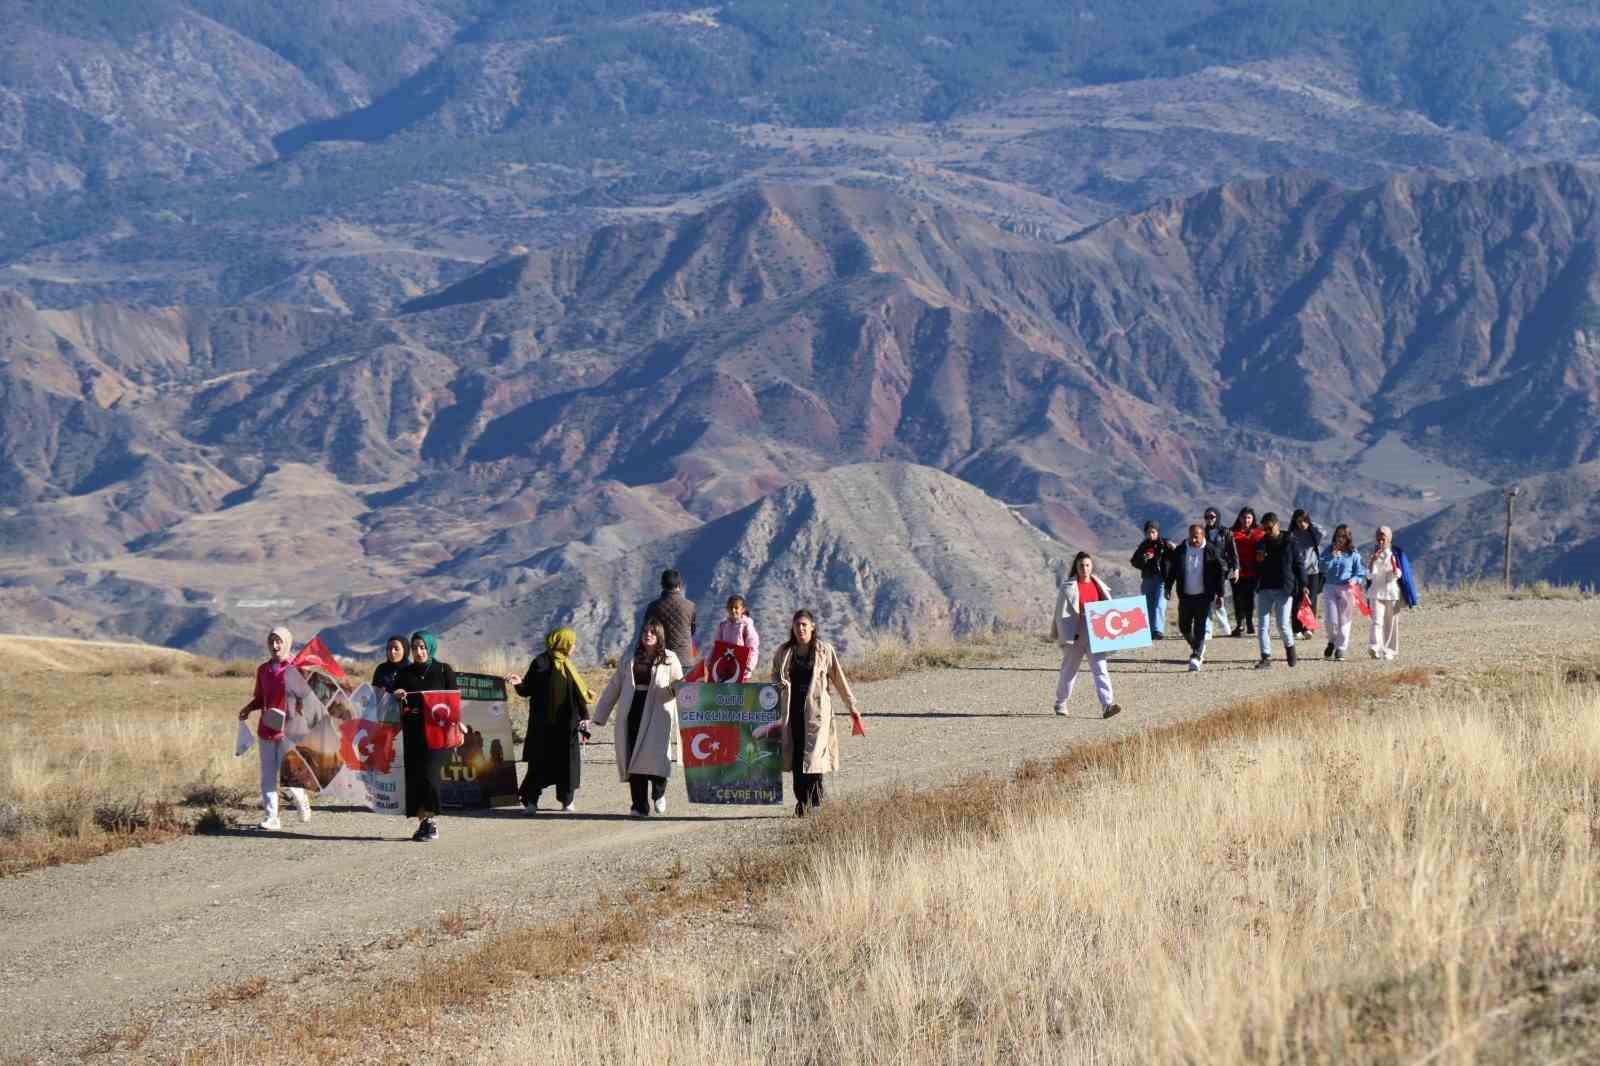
x,y
1305,615
1219,618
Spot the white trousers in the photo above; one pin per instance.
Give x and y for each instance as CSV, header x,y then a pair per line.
x,y
1072,658
272,753
1340,612
1385,640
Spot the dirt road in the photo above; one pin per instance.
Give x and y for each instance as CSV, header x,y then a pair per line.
x,y
144,935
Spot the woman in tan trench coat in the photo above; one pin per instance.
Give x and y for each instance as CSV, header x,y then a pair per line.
x,y
647,730
802,670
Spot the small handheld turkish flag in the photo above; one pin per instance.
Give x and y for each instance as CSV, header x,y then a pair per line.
x,y
441,717
316,656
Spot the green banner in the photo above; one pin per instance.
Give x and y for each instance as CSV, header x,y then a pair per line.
x,y
722,761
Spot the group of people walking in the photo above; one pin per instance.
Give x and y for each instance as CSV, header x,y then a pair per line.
x,y
1276,575
640,701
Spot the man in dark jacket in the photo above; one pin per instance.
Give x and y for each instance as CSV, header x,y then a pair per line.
x,y
1150,559
1280,577
1198,572
676,613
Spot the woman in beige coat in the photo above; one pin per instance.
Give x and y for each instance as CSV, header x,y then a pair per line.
x,y
803,668
647,732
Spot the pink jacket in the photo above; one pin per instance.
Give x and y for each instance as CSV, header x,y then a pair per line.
x,y
742,632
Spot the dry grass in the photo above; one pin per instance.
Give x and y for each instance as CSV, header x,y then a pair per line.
x,y
1289,883
891,657
98,740
982,807
1480,590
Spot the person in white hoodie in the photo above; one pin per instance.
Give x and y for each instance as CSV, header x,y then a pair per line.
x,y
1080,589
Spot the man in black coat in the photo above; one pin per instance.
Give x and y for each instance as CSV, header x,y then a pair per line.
x,y
676,613
1197,571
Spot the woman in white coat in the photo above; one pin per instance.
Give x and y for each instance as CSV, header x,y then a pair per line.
x,y
804,668
647,732
1080,589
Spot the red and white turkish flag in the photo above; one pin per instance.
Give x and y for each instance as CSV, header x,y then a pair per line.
x,y
711,745
316,656
367,745
441,717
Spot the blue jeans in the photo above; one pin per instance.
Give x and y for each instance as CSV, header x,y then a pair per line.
x,y
1274,605
1155,600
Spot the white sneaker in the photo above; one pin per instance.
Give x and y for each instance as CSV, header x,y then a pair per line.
x,y
1061,709
305,814
270,823
661,805
1194,665
568,808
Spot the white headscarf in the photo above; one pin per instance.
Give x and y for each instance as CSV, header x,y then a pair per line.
x,y
282,633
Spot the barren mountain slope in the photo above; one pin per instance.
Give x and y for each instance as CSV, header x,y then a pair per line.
x,y
1556,535
871,548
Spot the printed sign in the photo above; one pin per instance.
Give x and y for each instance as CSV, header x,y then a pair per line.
x,y
1118,625
482,771
722,761
365,734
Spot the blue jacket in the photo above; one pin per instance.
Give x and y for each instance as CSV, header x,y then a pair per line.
x,y
1408,581
1343,569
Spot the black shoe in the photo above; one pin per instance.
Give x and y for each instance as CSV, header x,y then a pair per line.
x,y
1238,631
1158,636
1327,653
1251,630
1289,654
1265,663
1338,656
1111,711
800,809
422,831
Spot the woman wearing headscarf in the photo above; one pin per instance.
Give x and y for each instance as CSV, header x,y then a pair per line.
x,y
279,692
394,650
558,720
1393,587
647,732
424,673
803,669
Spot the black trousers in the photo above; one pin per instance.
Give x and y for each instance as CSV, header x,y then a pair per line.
x,y
1244,604
643,788
1192,612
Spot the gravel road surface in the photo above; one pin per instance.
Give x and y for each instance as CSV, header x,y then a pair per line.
x,y
142,936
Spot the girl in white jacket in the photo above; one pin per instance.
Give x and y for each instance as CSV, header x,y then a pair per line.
x,y
1080,589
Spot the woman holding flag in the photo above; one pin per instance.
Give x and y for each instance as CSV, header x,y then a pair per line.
x,y
1344,572
1070,630
424,673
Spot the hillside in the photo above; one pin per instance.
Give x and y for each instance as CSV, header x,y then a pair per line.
x,y
1556,535
1373,355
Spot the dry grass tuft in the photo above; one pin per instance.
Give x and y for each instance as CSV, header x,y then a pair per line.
x,y
1395,871
1482,590
891,657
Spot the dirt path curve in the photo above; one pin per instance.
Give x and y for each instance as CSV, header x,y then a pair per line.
x,y
143,934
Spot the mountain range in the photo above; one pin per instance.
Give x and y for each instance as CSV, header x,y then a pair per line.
x,y
487,325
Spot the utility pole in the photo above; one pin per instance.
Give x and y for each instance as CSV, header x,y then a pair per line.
x,y
1511,502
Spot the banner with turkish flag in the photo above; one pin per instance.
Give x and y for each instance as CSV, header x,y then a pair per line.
x,y
357,752
1118,625
724,762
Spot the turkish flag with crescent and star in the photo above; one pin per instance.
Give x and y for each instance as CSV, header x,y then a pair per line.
x,y
711,745
316,656
441,717
1118,625
365,745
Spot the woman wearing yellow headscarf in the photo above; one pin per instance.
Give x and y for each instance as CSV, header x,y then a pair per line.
x,y
558,720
